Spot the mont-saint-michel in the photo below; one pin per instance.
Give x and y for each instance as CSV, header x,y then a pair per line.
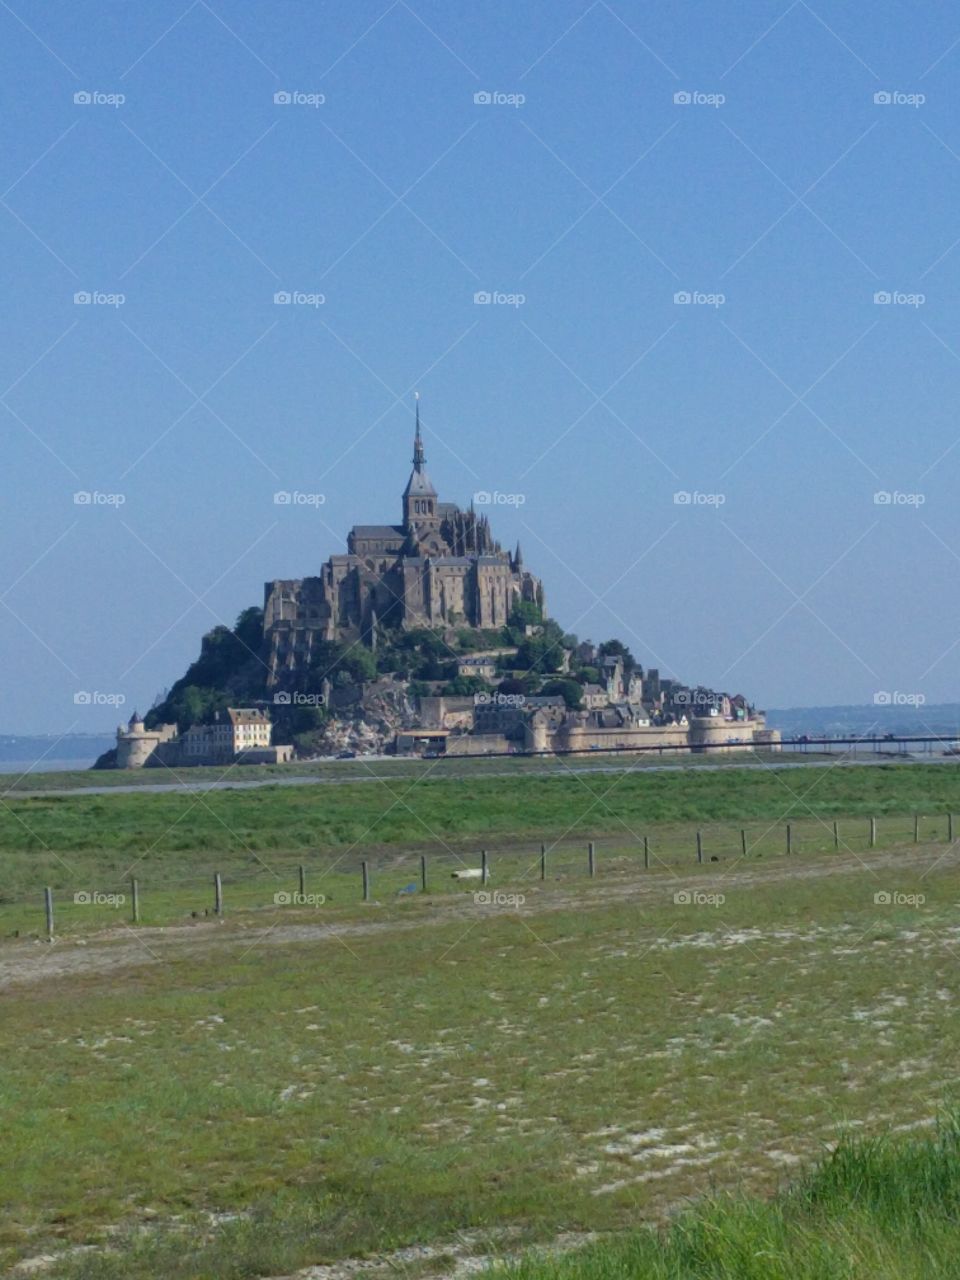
x,y
440,568
426,637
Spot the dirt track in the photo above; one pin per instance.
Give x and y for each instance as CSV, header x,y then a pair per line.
x,y
25,963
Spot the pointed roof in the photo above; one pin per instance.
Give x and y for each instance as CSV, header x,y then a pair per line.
x,y
418,458
419,485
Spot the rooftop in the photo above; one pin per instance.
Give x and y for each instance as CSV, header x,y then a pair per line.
x,y
377,531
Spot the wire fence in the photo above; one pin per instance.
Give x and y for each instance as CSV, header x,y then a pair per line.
x,y
153,895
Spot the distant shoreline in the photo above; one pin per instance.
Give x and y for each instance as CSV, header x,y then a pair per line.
x,y
47,765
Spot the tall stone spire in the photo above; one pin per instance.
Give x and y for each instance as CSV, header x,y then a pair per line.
x,y
418,459
419,497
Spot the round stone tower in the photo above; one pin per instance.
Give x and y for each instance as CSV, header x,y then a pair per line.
x,y
135,744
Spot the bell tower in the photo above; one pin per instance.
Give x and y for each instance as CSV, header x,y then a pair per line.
x,y
419,497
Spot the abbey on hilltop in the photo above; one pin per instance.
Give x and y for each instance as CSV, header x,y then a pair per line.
x,y
440,567
424,638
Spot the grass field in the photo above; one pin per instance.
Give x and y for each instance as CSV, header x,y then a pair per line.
x,y
873,1207
441,1076
174,842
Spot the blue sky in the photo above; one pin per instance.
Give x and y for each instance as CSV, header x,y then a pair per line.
x,y
781,197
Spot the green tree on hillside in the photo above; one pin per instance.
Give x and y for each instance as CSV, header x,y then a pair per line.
x,y
570,690
616,648
525,614
465,686
229,669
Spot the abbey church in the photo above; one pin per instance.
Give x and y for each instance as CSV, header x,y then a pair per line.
x,y
439,567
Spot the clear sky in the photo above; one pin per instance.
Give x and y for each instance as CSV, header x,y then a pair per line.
x,y
582,194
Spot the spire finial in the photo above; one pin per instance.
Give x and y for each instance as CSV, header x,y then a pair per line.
x,y
418,458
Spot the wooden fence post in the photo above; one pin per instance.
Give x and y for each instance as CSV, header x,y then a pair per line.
x,y
543,862
135,899
302,877
873,833
743,842
950,827
365,875
699,846
916,828
484,867
423,873
836,834
789,838
591,859
646,853
217,894
48,905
